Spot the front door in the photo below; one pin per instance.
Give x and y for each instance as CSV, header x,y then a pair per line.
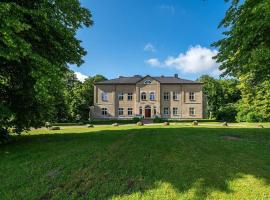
x,y
147,112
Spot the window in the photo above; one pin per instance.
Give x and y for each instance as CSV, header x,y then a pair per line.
x,y
155,110
175,111
130,111
130,96
192,96
166,111
175,96
120,111
191,111
166,96
104,111
104,96
143,96
140,110
152,96
121,96
147,82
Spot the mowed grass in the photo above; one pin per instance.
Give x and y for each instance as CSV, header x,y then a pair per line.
x,y
130,162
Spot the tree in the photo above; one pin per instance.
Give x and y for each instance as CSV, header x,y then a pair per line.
x,y
81,97
244,53
213,91
222,97
37,42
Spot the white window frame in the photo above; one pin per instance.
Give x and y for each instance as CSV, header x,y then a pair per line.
x,y
120,111
130,96
104,111
120,96
130,111
152,96
145,96
175,111
167,96
192,111
168,111
175,96
192,96
104,96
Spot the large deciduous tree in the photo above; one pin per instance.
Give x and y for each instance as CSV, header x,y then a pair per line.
x,y
37,42
244,52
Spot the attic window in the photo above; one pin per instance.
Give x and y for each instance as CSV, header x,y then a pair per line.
x,y
147,82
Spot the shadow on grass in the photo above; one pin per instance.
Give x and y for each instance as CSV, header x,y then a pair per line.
x,y
104,164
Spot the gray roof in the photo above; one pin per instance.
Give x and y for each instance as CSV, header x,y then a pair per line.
x,y
137,78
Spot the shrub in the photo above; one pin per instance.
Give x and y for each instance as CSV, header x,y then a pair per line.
x,y
227,113
136,119
158,120
254,117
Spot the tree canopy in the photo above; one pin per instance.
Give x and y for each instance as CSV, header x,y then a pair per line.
x,y
244,53
37,42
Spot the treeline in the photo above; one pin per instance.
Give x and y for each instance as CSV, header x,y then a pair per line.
x,y
75,99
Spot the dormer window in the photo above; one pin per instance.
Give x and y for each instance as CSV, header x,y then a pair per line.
x,y
147,82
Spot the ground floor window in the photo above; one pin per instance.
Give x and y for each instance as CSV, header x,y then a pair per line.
x,y
140,110
166,111
120,111
130,111
175,111
155,110
104,111
191,111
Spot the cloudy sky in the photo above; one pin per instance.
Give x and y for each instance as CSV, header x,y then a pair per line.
x,y
155,37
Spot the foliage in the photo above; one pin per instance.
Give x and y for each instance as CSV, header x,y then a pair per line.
x,y
244,53
136,119
220,94
37,41
158,120
227,113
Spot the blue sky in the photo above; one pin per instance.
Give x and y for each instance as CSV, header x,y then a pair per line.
x,y
155,37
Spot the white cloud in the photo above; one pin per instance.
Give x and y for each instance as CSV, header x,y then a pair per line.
x,y
149,47
81,77
196,60
169,8
153,62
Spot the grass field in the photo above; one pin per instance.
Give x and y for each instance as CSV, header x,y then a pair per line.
x,y
130,162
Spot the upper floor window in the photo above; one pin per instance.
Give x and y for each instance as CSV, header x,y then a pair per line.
x,y
104,111
191,111
152,96
120,111
175,111
166,96
130,96
143,96
192,96
147,82
166,111
121,96
130,111
104,96
175,96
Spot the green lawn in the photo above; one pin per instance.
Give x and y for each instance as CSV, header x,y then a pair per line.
x,y
130,162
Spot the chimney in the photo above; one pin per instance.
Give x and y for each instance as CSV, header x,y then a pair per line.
x,y
175,75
